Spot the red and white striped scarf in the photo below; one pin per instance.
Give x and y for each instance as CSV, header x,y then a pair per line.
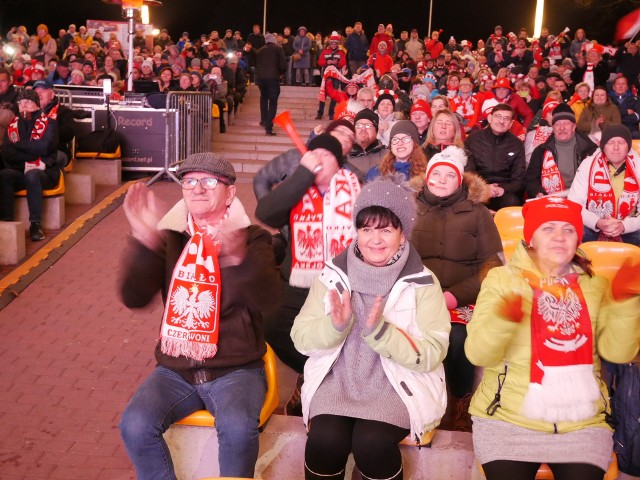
x,y
322,227
365,78
190,324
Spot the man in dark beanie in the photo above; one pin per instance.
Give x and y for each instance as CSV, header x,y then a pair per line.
x,y
606,185
367,150
29,154
315,202
553,164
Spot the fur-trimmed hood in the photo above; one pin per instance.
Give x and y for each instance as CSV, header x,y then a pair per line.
x,y
478,190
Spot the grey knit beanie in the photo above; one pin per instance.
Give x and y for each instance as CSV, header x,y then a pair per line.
x,y
208,162
392,193
406,127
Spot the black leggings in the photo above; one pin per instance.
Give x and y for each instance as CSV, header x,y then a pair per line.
x,y
458,369
509,470
374,446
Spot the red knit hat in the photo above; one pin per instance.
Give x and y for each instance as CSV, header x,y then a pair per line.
x,y
503,83
551,209
422,106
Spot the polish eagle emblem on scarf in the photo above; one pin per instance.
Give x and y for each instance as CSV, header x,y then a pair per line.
x,y
560,313
192,308
600,208
309,242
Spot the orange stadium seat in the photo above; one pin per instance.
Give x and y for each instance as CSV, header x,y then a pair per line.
x,y
202,418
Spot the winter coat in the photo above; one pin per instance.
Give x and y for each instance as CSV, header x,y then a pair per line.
x,y
304,44
592,112
501,345
381,37
270,62
415,308
497,159
580,189
247,290
16,154
329,56
366,158
457,238
533,176
357,46
625,103
600,74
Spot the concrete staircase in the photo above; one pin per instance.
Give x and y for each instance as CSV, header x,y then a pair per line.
x,y
245,144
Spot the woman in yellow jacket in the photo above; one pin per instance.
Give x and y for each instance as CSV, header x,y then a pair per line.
x,y
539,326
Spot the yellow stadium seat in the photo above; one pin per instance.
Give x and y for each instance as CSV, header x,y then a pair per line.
x,y
509,222
202,418
54,192
635,145
608,257
103,155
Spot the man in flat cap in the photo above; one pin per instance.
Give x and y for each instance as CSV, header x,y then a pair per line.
x,y
217,274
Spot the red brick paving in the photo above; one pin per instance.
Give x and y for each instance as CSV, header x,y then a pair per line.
x,y
72,356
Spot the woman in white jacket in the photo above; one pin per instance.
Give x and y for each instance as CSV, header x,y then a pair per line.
x,y
607,186
376,329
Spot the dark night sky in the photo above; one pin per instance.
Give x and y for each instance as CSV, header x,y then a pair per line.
x,y
462,18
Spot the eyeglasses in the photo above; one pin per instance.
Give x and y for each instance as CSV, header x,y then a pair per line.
x,y
364,126
398,140
208,183
501,118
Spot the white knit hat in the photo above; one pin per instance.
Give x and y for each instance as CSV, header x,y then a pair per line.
x,y
451,156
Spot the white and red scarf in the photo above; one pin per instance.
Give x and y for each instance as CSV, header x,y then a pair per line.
x,y
322,227
366,78
190,324
541,135
588,77
562,385
39,128
552,181
601,198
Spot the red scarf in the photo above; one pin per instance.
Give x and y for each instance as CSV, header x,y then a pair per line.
x,y
462,314
600,195
562,384
190,324
39,128
322,227
552,181
541,135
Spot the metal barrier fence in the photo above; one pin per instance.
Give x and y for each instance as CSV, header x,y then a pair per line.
x,y
188,128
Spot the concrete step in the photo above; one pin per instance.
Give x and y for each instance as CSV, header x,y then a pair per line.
x,y
281,456
253,134
231,146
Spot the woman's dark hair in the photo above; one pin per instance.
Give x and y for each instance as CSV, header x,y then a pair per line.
x,y
377,217
584,263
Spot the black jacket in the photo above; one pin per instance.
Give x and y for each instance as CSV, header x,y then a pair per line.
x,y
497,158
270,62
533,176
247,290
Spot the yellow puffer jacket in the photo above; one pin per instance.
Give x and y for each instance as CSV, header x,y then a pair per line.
x,y
500,345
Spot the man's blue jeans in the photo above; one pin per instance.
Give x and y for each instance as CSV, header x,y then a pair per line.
x,y
632,237
234,399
